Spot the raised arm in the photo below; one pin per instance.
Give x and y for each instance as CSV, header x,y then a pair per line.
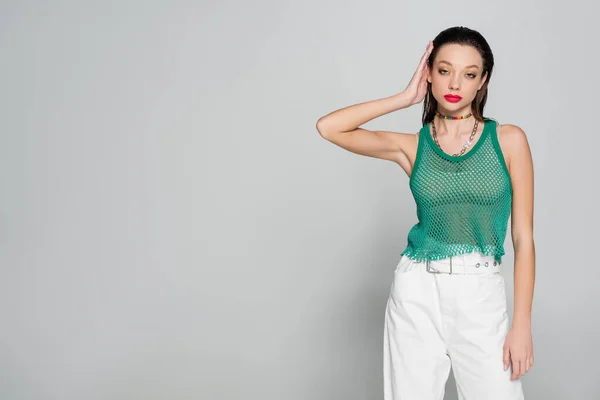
x,y
342,127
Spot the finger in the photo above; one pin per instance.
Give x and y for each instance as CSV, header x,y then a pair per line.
x,y
429,48
424,74
422,86
418,76
516,369
506,358
422,63
521,369
426,54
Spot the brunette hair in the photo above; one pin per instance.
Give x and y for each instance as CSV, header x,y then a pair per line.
x,y
466,37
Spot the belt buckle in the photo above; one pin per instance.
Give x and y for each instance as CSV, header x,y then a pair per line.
x,y
435,271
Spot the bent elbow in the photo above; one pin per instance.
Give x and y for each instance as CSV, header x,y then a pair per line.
x,y
322,128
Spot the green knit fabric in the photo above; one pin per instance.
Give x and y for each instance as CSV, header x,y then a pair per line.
x,y
463,202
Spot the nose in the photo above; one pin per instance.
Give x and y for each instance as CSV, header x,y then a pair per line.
x,y
454,83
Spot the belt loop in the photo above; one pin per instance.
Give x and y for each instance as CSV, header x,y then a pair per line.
x,y
450,264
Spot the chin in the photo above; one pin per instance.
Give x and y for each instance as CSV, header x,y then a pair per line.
x,y
453,106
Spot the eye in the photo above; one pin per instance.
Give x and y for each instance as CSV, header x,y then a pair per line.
x,y
442,71
472,76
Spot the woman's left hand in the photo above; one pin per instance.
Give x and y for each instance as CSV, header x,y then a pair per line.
x,y
518,350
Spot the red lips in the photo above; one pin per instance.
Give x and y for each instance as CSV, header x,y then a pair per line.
x,y
452,98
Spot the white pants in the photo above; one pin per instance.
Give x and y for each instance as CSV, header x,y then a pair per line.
x,y
435,319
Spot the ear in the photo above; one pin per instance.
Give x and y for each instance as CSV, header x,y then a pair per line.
x,y
428,73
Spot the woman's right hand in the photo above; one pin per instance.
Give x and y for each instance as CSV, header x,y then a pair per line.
x,y
417,87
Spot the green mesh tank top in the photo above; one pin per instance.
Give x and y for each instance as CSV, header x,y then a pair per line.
x,y
463,202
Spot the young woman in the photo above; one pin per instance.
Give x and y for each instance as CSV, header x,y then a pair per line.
x,y
447,304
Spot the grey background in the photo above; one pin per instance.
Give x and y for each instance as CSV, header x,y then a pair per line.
x,y
173,227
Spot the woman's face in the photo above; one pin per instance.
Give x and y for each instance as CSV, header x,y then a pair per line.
x,y
455,76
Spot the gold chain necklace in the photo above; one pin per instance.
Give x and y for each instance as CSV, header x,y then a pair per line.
x,y
467,143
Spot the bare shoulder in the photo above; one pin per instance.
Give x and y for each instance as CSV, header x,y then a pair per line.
x,y
514,143
511,133
512,138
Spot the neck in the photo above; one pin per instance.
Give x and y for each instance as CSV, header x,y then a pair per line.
x,y
453,117
454,127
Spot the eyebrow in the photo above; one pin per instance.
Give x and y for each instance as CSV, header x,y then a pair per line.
x,y
469,66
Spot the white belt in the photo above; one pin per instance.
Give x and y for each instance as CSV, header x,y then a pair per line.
x,y
463,264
